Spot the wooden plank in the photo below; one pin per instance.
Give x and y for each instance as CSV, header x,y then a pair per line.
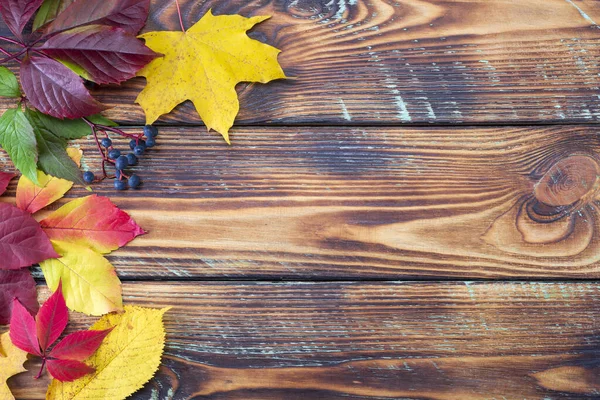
x,y
400,61
442,341
365,203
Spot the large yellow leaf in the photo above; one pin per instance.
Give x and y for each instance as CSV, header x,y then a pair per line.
x,y
204,64
127,359
90,282
11,363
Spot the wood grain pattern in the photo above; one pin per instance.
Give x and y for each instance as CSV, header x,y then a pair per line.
x,y
408,61
339,203
442,341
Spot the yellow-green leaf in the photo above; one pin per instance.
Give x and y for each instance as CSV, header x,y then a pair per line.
x,y
11,363
204,64
90,282
127,359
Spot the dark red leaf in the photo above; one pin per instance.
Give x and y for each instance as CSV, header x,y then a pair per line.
x,y
68,370
5,178
130,15
16,284
22,240
52,319
22,329
108,54
55,90
17,13
79,345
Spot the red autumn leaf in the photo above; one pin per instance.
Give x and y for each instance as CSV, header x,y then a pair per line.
x,y
79,345
126,14
22,241
55,90
93,222
22,329
5,178
68,370
17,13
52,319
17,284
108,54
64,361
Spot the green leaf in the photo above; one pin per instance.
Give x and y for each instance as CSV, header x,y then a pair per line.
x,y
9,86
18,139
68,129
54,159
48,11
100,119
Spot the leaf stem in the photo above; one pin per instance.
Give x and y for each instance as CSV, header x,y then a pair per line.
x,y
38,376
7,59
9,40
4,52
180,18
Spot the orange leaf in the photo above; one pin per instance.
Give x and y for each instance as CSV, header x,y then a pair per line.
x,y
93,222
32,198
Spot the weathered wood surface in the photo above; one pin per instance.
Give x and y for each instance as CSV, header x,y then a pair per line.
x,y
408,61
394,203
366,200
442,341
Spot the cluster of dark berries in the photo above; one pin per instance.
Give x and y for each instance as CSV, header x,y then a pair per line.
x,y
112,156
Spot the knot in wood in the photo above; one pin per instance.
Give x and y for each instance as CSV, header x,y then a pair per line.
x,y
570,180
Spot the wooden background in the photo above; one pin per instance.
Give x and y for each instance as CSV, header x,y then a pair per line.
x,y
414,216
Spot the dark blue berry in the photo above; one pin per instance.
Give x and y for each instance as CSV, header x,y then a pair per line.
x,y
120,185
114,154
134,181
132,144
117,174
138,150
121,163
88,177
106,142
150,142
131,159
150,131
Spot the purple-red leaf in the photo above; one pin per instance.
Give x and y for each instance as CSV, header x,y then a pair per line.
x,y
130,15
22,240
5,178
52,319
79,345
17,13
55,90
108,54
22,329
68,370
20,285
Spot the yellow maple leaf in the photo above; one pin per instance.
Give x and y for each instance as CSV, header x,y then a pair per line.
x,y
127,359
11,363
89,281
204,64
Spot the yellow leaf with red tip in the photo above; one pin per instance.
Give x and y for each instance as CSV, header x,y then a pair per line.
x,y
32,197
92,222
